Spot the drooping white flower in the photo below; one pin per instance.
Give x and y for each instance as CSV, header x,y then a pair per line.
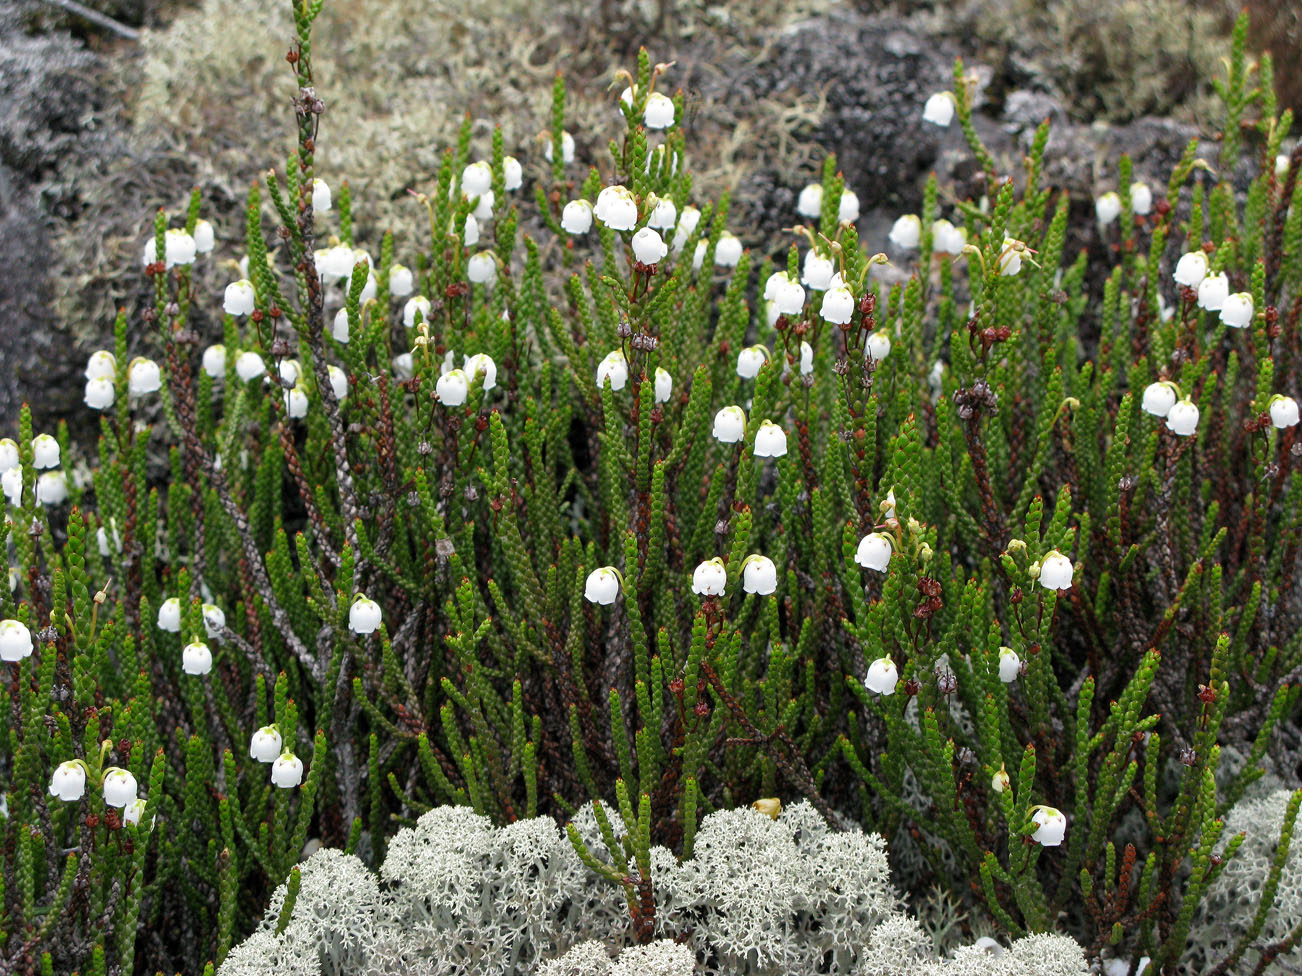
x,y
946,238
470,233
169,615
730,425
787,294
249,365
101,365
196,658
178,248
1056,571
45,451
1237,311
770,440
817,272
1213,291
688,221
664,385
1141,198
698,256
12,483
659,112
759,575
15,640
296,403
290,370
874,551
728,250
616,208
133,811
481,364
239,298
567,148
838,305
664,215
614,368
576,218
204,238
882,676
806,358
338,381
452,388
848,209
52,488
287,771
710,578
1000,781
906,232
939,109
265,744
321,197
1159,398
119,787
68,782
339,328
401,281
1051,825
419,304
477,178
603,585
750,361
214,619
143,376
810,202
1191,269
648,246
214,361
512,174
335,262
1283,411
364,615
99,393
1182,419
481,268
1107,208
483,210
879,345
1010,665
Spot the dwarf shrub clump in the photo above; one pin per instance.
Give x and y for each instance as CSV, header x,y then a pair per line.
x,y
938,540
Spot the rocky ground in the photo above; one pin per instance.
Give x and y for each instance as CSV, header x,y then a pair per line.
x,y
84,161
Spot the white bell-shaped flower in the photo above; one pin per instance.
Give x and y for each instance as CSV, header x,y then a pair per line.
x,y
770,440
789,295
12,483
1010,258
214,619
483,210
52,488
567,148
512,174
1056,571
204,238
178,248
481,365
879,345
296,403
1051,826
477,178
214,361
664,385
119,787
874,551
265,744
1010,665
1107,208
616,208
817,272
603,585
239,298
1182,419
688,221
338,381
143,376
68,782
1283,411
322,200
364,615
452,388
838,305
1159,398
730,424
710,578
939,109
728,250
99,393
810,202
1213,291
169,615
418,304
1000,781
614,368
664,215
648,246
806,358
401,281
101,365
134,810
290,370
1237,311
196,658
946,238
659,112
576,218
1141,198
334,262
470,233
287,771
848,209
882,676
906,232
339,328
481,268
759,575
249,365
15,640
750,361
1191,269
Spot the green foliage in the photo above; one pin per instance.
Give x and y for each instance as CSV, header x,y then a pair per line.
x,y
473,505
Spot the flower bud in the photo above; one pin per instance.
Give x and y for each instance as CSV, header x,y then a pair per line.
x,y
1000,780
806,358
